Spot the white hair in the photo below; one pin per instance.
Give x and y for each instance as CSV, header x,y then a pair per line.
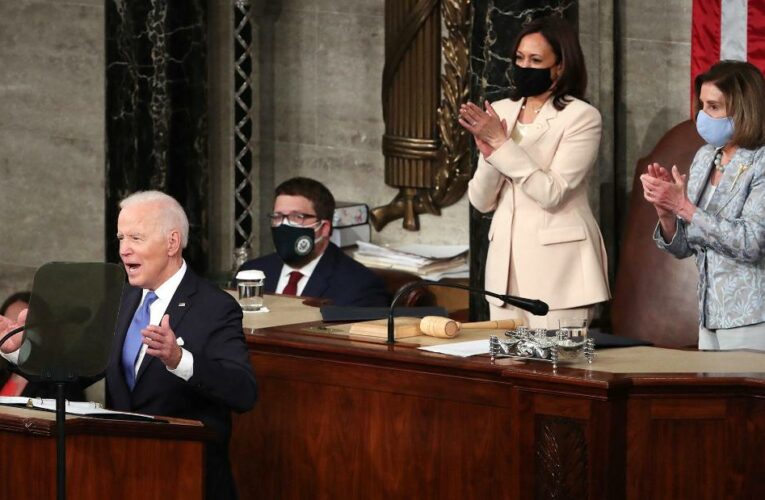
x,y
172,216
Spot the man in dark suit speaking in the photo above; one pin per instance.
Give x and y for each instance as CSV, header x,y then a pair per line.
x,y
179,349
306,262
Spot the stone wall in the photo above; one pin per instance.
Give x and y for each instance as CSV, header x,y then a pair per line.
x,y
51,136
318,114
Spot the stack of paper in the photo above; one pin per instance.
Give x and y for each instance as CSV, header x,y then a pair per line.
x,y
461,349
427,261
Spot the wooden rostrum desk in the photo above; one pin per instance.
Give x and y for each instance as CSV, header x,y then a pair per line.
x,y
341,417
105,458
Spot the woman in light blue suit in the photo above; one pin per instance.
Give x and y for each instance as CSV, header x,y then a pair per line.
x,y
720,218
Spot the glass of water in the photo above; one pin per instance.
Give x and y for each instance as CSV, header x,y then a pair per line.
x,y
571,337
250,286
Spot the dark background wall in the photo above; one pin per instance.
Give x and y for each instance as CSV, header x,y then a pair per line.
x,y
318,113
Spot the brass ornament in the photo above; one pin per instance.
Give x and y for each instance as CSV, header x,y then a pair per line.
x,y
427,152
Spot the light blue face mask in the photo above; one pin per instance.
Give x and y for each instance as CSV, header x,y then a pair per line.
x,y
715,131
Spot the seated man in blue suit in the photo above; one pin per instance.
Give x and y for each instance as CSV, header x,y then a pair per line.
x,y
306,262
179,349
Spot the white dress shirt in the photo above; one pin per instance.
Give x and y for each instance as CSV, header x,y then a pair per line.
x,y
165,292
307,270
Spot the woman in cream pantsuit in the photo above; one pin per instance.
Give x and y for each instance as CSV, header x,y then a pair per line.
x,y
537,150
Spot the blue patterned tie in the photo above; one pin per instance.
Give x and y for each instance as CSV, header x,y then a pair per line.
x,y
133,339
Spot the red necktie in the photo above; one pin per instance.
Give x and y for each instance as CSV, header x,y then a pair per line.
x,y
14,386
291,288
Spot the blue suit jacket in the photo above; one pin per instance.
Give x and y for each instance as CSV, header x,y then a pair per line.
x,y
210,323
337,277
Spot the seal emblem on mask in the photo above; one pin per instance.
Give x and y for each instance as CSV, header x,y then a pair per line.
x,y
303,245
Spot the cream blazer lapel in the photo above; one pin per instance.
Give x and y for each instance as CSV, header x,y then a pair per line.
x,y
541,123
563,144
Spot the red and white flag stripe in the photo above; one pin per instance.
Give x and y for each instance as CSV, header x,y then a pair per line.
x,y
727,29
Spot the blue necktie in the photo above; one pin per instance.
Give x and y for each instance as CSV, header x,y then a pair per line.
x,y
133,339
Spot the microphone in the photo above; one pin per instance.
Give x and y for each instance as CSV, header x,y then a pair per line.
x,y
535,307
75,315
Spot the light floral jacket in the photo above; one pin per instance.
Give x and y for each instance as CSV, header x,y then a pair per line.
x,y
727,238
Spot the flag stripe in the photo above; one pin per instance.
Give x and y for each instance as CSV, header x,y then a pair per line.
x,y
756,34
705,37
733,29
726,29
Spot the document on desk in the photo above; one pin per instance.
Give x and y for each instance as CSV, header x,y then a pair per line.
x,y
461,349
86,408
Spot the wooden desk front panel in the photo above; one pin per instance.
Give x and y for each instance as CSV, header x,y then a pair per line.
x,y
704,447
333,429
326,429
100,467
569,447
340,418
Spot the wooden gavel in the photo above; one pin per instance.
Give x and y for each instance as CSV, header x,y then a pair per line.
x,y
437,326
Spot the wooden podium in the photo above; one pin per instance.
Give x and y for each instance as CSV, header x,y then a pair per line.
x,y
342,417
113,459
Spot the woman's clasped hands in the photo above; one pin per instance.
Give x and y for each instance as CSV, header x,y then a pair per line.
x,y
488,130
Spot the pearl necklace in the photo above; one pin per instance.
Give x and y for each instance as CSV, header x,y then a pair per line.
x,y
718,161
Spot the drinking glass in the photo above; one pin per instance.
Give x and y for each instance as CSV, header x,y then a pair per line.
x,y
250,285
571,337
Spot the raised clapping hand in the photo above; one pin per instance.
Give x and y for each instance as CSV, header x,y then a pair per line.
x,y
667,193
161,343
488,130
656,171
6,325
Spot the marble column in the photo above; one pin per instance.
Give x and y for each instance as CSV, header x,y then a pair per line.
x,y
495,26
156,110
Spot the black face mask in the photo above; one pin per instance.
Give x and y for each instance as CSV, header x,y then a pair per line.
x,y
531,81
294,244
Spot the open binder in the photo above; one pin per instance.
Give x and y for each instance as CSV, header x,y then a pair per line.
x,y
82,408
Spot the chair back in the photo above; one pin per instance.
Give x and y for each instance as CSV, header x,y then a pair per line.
x,y
655,293
395,280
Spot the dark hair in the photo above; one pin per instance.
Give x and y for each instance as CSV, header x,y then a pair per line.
x,y
314,191
16,297
572,81
743,86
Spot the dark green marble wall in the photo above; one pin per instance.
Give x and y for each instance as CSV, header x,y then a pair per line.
x,y
156,111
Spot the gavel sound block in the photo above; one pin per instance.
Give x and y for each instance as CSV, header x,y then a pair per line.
x,y
434,326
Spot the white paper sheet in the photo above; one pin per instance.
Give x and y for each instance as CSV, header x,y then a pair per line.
x,y
72,407
461,349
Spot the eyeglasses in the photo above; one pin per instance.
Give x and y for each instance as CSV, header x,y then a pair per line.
x,y
294,218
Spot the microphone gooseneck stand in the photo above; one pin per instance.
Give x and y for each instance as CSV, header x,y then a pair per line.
x,y
535,307
60,442
60,427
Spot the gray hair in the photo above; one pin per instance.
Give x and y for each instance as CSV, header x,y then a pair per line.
x,y
172,216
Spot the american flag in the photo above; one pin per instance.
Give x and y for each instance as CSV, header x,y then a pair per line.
x,y
727,29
